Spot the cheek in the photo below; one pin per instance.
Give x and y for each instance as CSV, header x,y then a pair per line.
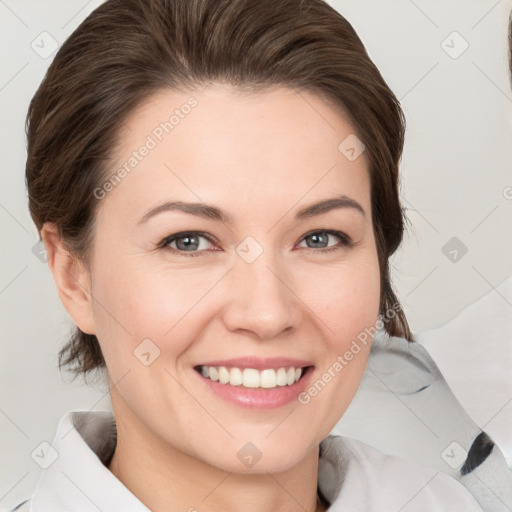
x,y
134,302
347,308
346,298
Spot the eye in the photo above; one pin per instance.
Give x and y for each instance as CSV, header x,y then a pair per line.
x,y
320,238
187,241
195,243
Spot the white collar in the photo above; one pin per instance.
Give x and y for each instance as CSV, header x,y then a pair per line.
x,y
78,480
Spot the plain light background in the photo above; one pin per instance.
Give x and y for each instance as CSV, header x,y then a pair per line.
x,y
447,62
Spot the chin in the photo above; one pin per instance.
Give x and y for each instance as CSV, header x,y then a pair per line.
x,y
262,456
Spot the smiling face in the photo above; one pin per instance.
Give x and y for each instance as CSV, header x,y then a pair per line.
x,y
251,282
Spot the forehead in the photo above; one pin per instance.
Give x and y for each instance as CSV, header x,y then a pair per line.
x,y
228,147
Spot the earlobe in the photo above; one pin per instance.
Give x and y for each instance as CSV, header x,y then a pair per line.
x,y
71,277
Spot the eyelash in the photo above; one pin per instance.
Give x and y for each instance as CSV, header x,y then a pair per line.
x,y
346,242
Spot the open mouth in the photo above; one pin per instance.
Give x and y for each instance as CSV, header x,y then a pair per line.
x,y
252,378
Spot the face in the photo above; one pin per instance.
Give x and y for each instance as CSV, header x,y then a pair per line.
x,y
242,280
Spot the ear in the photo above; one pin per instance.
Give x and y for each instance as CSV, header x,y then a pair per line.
x,y
71,277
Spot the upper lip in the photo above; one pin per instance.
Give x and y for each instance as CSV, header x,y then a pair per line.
x,y
259,363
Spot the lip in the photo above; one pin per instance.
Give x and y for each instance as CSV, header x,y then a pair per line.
x,y
258,363
257,398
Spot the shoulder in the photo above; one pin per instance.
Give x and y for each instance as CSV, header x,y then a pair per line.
x,y
355,475
24,506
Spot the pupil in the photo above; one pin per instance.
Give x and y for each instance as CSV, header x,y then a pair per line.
x,y
317,238
188,242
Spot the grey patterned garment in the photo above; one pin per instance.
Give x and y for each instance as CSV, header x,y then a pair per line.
x,y
405,407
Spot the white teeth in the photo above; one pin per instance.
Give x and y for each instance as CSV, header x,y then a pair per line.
x,y
281,377
252,378
213,373
268,379
223,375
235,377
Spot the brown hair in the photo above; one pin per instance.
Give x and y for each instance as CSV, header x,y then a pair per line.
x,y
126,50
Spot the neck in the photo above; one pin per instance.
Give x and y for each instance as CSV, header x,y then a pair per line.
x,y
163,477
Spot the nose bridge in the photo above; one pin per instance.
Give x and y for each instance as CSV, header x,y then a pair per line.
x,y
259,297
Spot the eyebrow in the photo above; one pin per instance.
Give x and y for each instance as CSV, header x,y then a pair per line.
x,y
212,212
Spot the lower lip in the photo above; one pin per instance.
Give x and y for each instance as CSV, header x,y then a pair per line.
x,y
258,398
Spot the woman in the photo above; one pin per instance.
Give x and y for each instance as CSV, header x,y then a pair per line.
x,y
216,186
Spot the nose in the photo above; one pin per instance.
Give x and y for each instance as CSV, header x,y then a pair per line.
x,y
260,299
